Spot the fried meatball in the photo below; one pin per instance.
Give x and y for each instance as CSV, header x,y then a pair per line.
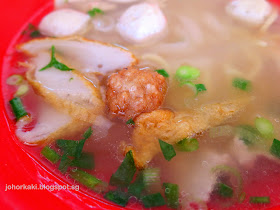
x,y
131,92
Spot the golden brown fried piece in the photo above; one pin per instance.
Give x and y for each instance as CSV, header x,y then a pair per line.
x,y
131,92
173,127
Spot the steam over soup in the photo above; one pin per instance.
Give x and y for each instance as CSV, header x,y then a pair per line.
x,y
170,102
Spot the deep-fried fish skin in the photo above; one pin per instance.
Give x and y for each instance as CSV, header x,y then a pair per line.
x,y
131,92
172,127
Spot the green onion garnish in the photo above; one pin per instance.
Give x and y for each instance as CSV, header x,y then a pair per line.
x,y
67,146
74,148
124,175
187,73
137,186
32,30
22,90
50,154
95,11
84,178
130,122
200,88
151,177
162,72
17,108
35,33
224,169
86,161
264,199
275,148
167,150
81,143
225,190
265,127
55,63
15,79
153,200
242,197
241,84
197,88
64,163
188,145
248,134
172,195
118,197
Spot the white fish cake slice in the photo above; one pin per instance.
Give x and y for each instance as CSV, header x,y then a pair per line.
x,y
50,125
84,55
63,22
68,91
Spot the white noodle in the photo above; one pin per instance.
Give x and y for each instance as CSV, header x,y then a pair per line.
x,y
156,59
269,21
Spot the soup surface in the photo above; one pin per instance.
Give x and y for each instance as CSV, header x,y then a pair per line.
x,y
165,103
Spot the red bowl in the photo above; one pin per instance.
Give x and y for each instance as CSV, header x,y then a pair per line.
x,y
18,167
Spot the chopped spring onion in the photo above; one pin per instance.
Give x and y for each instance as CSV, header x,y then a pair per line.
x,y
172,195
153,200
265,127
225,190
15,79
50,154
84,178
187,73
264,199
22,90
67,146
151,177
224,169
162,72
248,134
221,131
130,122
88,133
167,150
32,30
124,175
95,11
200,88
35,33
64,163
137,186
241,84
86,161
72,147
118,197
242,197
17,108
187,145
55,63
81,143
275,148
197,88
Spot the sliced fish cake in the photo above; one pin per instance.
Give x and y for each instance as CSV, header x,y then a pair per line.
x,y
68,91
84,55
50,125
